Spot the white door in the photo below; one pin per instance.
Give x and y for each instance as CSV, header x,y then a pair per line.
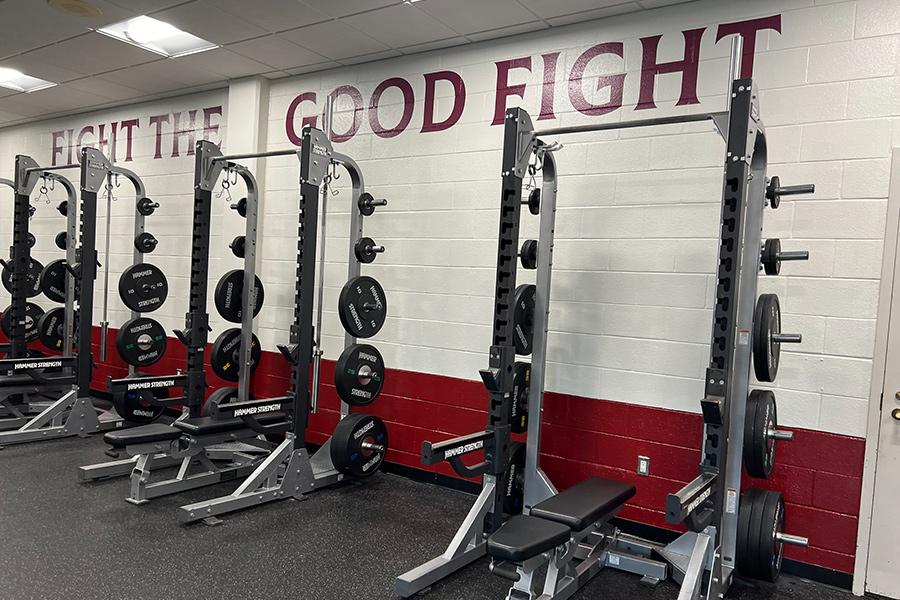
x,y
883,573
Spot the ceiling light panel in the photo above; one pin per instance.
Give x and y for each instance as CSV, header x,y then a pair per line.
x,y
157,36
20,82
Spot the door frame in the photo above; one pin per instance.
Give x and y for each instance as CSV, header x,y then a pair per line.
x,y
879,359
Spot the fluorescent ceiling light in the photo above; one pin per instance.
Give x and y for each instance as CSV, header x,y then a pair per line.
x,y
16,80
157,36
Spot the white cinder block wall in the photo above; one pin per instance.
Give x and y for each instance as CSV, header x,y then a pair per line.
x,y
637,223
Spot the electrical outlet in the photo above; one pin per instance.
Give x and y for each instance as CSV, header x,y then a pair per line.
x,y
643,467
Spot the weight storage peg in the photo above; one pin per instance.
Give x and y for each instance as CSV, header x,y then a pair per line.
x,y
146,206
528,254
367,204
534,201
772,256
366,250
145,242
240,207
774,191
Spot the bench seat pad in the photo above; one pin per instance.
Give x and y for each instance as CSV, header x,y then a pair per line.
x,y
208,425
144,434
522,537
583,504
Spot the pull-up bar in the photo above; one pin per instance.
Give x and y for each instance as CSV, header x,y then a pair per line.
x,y
630,124
230,157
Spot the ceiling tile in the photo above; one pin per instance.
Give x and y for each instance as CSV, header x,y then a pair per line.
x,y
92,53
557,8
276,52
334,40
400,25
314,68
428,46
600,13
206,19
658,3
65,98
371,57
342,8
273,15
23,104
160,76
37,64
145,7
30,24
469,16
106,89
223,62
506,31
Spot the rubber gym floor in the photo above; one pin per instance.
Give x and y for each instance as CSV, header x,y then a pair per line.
x,y
62,539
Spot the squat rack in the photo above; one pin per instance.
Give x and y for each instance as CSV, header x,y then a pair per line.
x,y
709,505
74,413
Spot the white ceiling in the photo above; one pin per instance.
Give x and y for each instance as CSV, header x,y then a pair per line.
x,y
272,38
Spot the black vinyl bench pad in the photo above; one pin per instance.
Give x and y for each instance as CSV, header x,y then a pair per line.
x,y
160,432
552,521
208,425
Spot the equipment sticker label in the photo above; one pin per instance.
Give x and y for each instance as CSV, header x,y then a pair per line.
x,y
743,337
731,501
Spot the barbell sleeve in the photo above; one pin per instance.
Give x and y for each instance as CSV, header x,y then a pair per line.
x,y
792,540
787,338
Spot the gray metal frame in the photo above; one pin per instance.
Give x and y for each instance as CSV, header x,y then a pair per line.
x,y
289,471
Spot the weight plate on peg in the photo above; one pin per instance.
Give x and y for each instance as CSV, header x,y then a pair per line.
x,y
31,239
364,250
769,257
362,307
225,357
145,242
33,314
229,295
760,521
359,444
53,280
528,254
238,246
534,201
359,374
146,206
141,341
223,395
766,324
32,279
759,445
143,287
61,240
519,405
51,328
513,483
136,406
523,317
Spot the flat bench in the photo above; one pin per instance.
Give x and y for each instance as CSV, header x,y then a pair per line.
x,y
552,522
160,432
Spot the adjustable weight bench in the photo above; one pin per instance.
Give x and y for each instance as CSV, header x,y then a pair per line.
x,y
570,535
195,445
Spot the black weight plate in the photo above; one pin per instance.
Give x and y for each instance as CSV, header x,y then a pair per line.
x,y
143,287
31,240
238,246
52,328
53,280
759,446
513,483
766,351
61,240
229,293
534,201
364,250
523,315
222,395
137,406
761,519
359,374
362,307
32,279
33,314
225,357
141,341
528,254
350,450
145,242
769,258
519,405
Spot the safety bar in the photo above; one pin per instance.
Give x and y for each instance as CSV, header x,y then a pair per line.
x,y
249,407
44,362
689,498
132,384
231,157
435,453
